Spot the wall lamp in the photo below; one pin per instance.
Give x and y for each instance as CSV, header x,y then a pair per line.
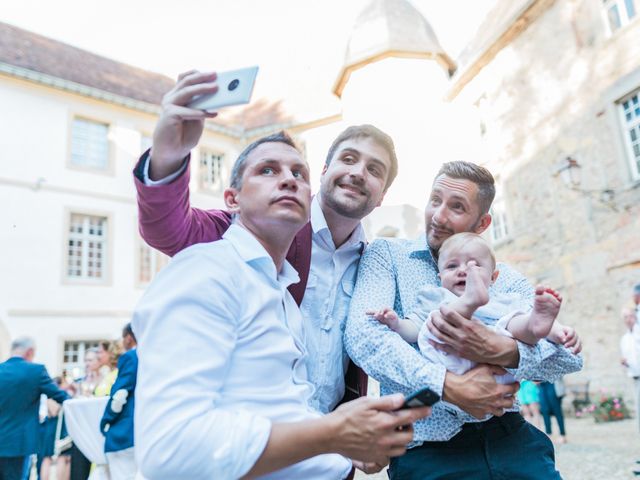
x,y
570,172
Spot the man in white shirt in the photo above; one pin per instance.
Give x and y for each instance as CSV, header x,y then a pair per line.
x,y
361,165
630,344
223,386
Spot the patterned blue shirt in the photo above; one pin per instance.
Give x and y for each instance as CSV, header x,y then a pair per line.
x,y
391,273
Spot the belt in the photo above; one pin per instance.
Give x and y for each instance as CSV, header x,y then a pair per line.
x,y
472,431
509,420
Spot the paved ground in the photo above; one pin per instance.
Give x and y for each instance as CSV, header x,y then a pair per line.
x,y
602,451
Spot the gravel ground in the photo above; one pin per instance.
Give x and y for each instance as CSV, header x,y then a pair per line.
x,y
602,451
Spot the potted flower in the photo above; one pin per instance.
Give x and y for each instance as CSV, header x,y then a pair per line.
x,y
608,408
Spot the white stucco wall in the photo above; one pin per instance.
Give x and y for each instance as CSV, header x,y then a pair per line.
x,y
39,189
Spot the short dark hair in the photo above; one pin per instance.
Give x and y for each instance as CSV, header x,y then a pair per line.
x,y
127,330
368,131
476,174
239,165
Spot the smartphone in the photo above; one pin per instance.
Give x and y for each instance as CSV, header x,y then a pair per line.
x,y
234,88
425,397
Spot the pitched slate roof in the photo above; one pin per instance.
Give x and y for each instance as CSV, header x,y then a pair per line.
x,y
29,50
51,58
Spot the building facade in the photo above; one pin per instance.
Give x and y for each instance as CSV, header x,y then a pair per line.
x,y
72,126
557,88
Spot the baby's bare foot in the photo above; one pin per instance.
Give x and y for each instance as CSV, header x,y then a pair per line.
x,y
546,306
475,291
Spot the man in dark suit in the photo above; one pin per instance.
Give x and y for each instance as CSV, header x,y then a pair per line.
x,y
117,421
21,382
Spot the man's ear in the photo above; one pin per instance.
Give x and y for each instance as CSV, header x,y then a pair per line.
x,y
324,169
483,223
495,275
230,196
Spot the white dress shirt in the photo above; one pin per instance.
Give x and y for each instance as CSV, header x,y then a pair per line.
x,y
221,356
630,349
325,304
325,307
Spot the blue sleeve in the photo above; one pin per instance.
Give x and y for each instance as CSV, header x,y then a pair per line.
x,y
126,380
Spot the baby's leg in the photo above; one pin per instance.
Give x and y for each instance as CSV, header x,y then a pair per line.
x,y
475,292
537,325
546,306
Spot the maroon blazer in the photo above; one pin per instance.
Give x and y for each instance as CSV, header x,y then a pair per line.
x,y
168,223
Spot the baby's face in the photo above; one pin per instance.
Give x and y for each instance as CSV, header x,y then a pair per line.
x,y
453,266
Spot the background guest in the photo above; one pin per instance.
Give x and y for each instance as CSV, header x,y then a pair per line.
x,y
109,371
530,403
22,383
630,350
117,422
551,404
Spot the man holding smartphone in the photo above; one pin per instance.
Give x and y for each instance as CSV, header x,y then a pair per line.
x,y
222,386
360,167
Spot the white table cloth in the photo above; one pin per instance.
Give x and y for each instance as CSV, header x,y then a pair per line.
x,y
82,416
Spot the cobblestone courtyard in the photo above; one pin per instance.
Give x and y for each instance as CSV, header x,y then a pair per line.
x,y
602,451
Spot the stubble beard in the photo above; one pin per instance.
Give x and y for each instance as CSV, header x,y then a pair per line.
x,y
356,212
436,249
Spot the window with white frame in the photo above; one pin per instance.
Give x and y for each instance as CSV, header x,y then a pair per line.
x,y
90,144
150,262
212,171
630,111
87,247
73,356
618,13
499,226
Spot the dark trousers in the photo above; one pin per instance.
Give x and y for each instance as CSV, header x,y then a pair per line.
x,y
80,465
550,404
11,468
504,447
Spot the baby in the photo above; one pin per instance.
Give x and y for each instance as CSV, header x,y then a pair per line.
x,y
467,268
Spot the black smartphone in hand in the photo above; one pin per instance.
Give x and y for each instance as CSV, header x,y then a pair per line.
x,y
425,397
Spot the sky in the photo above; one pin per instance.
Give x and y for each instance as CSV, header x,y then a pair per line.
x,y
298,44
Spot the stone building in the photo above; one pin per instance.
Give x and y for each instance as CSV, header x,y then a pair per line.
x,y
556,84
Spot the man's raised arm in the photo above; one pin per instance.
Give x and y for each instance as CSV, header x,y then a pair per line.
x,y
167,222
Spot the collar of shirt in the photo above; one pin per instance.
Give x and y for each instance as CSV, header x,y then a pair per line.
x,y
419,248
253,253
321,229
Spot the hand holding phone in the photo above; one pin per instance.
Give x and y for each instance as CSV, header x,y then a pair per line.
x,y
425,397
234,88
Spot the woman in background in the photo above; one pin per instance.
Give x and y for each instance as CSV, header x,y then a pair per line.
x,y
530,403
551,404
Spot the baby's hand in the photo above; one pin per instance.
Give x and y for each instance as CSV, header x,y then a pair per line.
x,y
566,336
387,317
